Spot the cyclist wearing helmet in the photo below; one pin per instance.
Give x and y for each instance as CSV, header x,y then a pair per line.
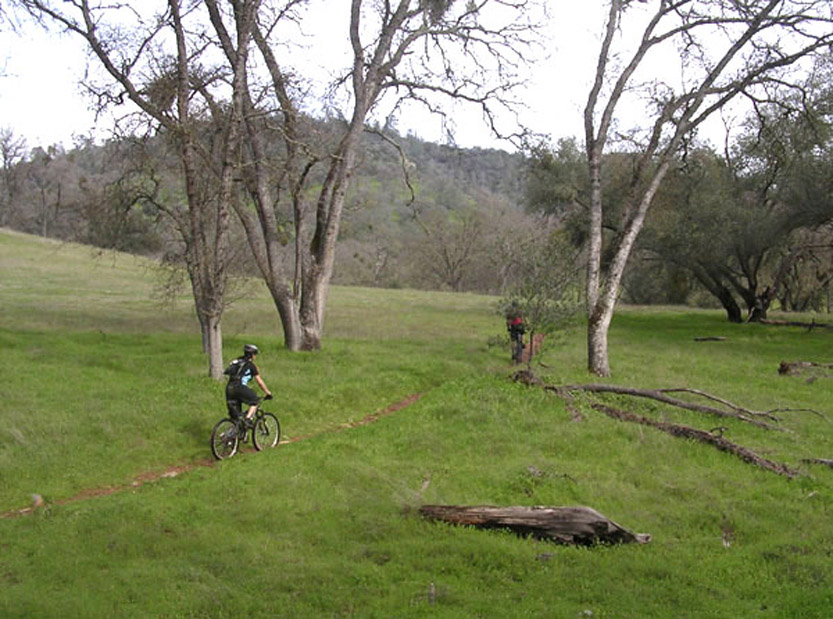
x,y
515,326
241,372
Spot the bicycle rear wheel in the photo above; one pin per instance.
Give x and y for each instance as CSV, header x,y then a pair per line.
x,y
224,439
267,431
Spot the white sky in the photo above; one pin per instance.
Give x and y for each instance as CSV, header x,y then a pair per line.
x,y
39,94
41,100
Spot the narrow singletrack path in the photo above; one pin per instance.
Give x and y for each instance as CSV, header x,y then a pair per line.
x,y
179,469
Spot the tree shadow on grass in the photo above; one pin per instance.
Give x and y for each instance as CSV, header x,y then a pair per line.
x,y
198,432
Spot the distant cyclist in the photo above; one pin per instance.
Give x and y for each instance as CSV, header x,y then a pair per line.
x,y
516,327
241,371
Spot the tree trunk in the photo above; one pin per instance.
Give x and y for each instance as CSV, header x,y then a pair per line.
x,y
213,338
712,282
579,525
603,294
288,312
313,302
733,313
597,355
758,311
318,269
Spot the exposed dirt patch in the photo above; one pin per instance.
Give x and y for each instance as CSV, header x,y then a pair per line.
x,y
180,469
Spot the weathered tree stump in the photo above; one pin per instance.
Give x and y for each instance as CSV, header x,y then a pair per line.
x,y
579,525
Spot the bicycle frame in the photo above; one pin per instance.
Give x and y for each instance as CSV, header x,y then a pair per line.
x,y
238,430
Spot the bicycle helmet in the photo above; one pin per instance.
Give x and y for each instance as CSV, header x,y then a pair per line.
x,y
250,349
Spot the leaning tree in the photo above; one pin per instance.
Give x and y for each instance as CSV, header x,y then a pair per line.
x,y
725,50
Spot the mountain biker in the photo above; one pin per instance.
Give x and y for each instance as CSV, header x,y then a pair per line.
x,y
241,372
515,326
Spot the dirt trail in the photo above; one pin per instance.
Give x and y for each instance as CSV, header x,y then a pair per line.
x,y
179,469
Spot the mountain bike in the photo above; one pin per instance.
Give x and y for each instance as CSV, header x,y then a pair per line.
x,y
228,433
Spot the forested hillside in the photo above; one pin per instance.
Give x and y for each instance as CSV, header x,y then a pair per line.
x,y
418,214
431,216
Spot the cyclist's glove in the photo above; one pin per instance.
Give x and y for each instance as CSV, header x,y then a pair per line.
x,y
268,397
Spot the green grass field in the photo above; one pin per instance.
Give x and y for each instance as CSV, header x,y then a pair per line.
x,y
106,393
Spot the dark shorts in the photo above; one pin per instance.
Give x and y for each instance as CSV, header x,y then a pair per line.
x,y
241,393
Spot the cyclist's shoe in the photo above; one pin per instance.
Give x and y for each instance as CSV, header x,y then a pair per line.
x,y
250,423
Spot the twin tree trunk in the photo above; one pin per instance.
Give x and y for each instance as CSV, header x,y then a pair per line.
x,y
603,289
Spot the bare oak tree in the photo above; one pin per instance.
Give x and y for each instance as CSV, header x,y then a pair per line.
x,y
727,50
158,62
404,51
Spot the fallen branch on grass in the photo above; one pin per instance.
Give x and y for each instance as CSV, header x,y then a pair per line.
x,y
823,461
660,395
709,438
801,410
713,437
570,403
580,525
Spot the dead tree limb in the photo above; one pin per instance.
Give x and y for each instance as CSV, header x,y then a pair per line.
x,y
699,435
719,400
579,525
801,410
660,395
824,461
713,438
570,403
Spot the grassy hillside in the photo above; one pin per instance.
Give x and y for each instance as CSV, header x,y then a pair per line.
x,y
105,388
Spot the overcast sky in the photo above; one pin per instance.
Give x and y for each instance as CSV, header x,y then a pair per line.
x,y
41,100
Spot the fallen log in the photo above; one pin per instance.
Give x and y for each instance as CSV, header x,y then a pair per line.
x,y
582,526
709,438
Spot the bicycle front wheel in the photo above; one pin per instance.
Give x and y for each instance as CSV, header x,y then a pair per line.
x,y
224,439
267,431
